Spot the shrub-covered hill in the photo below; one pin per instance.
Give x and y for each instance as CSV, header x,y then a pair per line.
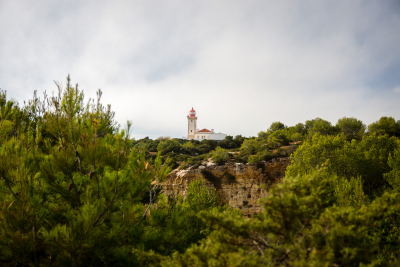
x,y
75,190
186,153
278,140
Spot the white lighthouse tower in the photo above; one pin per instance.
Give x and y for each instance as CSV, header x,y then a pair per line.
x,y
204,134
192,124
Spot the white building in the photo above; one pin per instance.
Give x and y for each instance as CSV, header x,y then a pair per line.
x,y
194,133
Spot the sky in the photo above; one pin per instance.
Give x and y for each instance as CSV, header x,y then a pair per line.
x,y
240,64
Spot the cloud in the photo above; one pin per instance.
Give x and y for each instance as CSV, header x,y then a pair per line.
x,y
396,89
242,65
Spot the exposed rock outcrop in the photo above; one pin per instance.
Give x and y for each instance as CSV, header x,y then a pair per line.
x,y
237,183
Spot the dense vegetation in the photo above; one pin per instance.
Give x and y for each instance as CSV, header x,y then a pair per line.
x,y
75,189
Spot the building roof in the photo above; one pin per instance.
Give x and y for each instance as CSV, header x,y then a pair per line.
x,y
204,131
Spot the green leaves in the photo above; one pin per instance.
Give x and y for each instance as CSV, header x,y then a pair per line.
x,y
220,155
351,127
319,126
276,126
393,177
350,192
385,125
366,158
249,147
200,197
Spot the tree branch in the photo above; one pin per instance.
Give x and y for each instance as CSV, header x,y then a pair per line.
x,y
148,207
151,201
9,187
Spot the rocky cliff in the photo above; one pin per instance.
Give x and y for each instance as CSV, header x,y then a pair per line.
x,y
237,183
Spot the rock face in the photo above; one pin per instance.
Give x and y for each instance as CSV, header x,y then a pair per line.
x,y
237,183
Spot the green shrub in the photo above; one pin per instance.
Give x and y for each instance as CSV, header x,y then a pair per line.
x,y
167,146
249,147
220,155
171,162
385,125
296,137
183,166
351,128
254,159
278,138
276,126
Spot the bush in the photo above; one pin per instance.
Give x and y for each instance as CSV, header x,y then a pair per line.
x,y
278,138
351,127
239,139
296,137
320,126
276,126
367,158
254,159
249,147
227,144
171,162
167,146
220,155
385,125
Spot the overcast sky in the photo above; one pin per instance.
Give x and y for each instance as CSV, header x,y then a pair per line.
x,y
241,64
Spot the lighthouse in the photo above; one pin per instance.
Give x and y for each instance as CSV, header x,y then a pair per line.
x,y
192,124
204,134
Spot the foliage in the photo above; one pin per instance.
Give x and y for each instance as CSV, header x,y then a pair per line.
x,y
385,125
393,177
295,137
277,139
254,159
366,158
249,147
228,143
320,126
300,128
351,127
171,162
168,145
350,193
276,126
220,155
239,139
200,197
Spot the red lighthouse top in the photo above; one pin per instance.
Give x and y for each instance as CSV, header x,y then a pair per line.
x,y
192,113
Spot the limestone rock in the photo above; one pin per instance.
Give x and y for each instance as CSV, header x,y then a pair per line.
x,y
238,184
